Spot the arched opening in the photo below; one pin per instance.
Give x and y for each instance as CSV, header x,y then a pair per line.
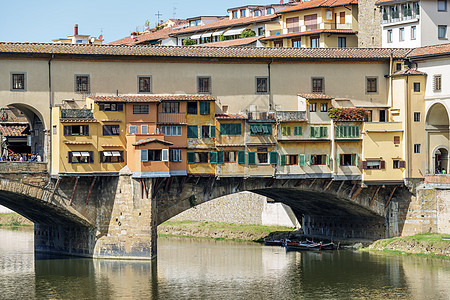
x,y
437,128
22,131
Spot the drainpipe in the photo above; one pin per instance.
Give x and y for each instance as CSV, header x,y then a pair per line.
x,y
270,85
408,134
50,105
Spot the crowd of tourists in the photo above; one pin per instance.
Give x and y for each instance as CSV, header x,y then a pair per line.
x,y
22,157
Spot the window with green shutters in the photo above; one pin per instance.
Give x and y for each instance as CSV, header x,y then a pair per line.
x,y
298,130
192,131
213,131
191,157
319,131
282,159
286,130
273,158
204,108
220,156
347,131
301,159
241,157
260,129
213,157
230,129
251,158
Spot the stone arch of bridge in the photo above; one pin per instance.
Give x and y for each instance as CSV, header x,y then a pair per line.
x,y
438,140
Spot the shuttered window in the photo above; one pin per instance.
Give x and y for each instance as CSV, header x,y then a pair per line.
x,y
286,131
213,157
273,158
251,158
260,129
241,157
192,131
191,157
76,130
298,130
230,129
220,157
292,25
319,131
204,108
301,159
346,131
437,82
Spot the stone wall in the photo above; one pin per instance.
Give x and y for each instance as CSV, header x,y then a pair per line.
x,y
369,23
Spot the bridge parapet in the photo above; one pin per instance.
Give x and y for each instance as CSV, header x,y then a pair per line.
x,y
33,173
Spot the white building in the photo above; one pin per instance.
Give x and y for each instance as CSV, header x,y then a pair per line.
x,y
411,24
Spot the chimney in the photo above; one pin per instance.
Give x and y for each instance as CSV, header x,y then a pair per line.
x,y
75,29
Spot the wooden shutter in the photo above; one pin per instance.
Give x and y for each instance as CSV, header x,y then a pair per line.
x,y
328,160
283,159
204,108
396,140
382,164
342,17
107,130
165,155
144,155
251,158
241,157
191,157
91,157
213,132
356,159
402,164
220,159
85,129
364,165
313,132
192,131
69,156
301,159
67,129
213,157
338,159
273,158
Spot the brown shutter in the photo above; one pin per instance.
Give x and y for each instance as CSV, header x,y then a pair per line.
x,y
342,17
396,140
382,164
364,165
402,164
69,156
91,156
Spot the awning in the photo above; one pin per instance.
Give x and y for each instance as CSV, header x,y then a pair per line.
x,y
218,32
234,31
76,153
116,153
107,153
196,36
85,154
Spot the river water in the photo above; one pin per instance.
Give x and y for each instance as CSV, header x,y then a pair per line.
x,y
207,269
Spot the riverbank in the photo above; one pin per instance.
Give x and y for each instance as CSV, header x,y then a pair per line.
x,y
14,220
428,244
216,230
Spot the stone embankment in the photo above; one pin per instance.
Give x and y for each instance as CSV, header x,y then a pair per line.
x,y
422,244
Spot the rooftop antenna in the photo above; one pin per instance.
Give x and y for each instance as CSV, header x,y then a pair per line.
x,y
158,15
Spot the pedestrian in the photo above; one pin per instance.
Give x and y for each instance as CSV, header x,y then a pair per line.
x,y
443,171
38,158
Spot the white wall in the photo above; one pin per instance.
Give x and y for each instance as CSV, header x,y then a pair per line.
x,y
430,20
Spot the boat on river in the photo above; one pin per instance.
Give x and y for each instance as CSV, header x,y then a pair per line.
x,y
269,242
308,245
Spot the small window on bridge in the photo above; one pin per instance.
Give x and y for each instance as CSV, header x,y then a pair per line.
x,y
76,130
319,159
111,156
81,157
348,159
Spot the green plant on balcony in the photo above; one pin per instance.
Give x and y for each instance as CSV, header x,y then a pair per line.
x,y
247,33
188,42
347,114
224,38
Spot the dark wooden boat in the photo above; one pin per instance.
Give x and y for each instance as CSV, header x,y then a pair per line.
x,y
269,242
308,245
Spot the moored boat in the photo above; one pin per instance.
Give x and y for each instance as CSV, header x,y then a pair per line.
x,y
269,242
308,245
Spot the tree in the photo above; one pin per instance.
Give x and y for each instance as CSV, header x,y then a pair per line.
x,y
189,42
247,33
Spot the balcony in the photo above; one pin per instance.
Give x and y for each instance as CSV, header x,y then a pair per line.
x,y
171,118
82,113
291,116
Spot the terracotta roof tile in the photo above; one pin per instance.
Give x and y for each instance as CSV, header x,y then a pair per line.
x,y
382,2
152,98
316,96
435,50
151,140
13,130
230,117
232,43
316,4
147,37
200,52
408,72
310,32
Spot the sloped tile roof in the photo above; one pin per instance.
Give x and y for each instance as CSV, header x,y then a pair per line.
x,y
151,140
152,98
382,2
232,43
408,72
435,50
224,23
316,4
316,96
13,130
146,37
230,117
310,32
29,49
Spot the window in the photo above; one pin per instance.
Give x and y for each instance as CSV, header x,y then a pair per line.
x,y
348,160
18,82
144,129
235,14
315,42
413,32
230,129
197,157
269,11
285,130
194,23
166,130
177,131
192,108
140,109
416,148
205,108
229,156
342,42
319,131
398,164
278,44
437,83
383,115
144,84
319,160
398,66
54,130
204,85
192,131
205,131
347,131
442,5
374,164
175,155
262,155
151,155
82,84
368,117
296,43
132,129
76,130
111,156
371,84
171,107
417,87
261,30
401,34
389,36
396,140
417,117
292,25
111,129
81,157
110,106
242,13
262,85
298,130
442,31
323,107
292,159
260,129
257,13
318,85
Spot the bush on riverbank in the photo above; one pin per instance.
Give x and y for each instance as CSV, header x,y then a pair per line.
x,y
430,244
218,230
14,220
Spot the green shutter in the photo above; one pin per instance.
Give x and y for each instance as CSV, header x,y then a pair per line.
x,y
213,131
191,157
301,159
328,160
286,130
241,157
338,159
323,131
283,131
273,158
267,128
251,158
356,160
144,155
253,129
308,159
237,129
213,157
312,134
298,130
204,108
192,131
220,157
282,159
338,131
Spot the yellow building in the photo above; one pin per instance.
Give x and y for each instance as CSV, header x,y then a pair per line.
x,y
317,23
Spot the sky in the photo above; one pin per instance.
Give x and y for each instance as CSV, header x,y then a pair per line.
x,y
46,20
